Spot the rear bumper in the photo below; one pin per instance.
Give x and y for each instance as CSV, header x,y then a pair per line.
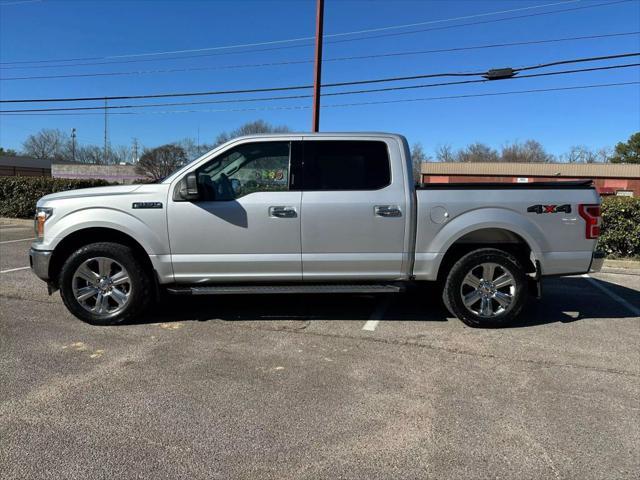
x,y
597,260
39,262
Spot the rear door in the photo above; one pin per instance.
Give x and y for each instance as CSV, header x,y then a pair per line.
x,y
353,210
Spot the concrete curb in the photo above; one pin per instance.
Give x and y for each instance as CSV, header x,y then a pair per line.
x,y
622,264
15,222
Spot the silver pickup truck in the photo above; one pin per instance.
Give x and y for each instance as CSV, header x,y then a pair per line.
x,y
312,213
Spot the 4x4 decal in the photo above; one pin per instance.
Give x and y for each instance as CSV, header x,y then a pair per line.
x,y
549,209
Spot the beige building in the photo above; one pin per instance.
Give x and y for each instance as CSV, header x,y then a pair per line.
x,y
609,178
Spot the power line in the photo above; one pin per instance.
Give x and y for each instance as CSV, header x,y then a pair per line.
x,y
185,57
348,92
299,87
339,34
18,2
375,102
446,27
290,40
297,62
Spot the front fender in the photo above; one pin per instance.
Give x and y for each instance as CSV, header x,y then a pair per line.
x,y
151,233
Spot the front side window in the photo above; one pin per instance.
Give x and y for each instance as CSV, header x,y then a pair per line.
x,y
346,165
245,169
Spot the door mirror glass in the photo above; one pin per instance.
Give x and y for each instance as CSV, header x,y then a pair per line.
x,y
189,187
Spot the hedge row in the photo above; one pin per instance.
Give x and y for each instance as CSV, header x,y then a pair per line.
x,y
620,232
620,215
18,195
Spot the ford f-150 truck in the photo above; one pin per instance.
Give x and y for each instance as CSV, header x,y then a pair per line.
x,y
312,213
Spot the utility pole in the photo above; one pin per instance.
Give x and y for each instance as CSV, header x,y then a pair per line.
x,y
135,150
315,125
106,148
73,144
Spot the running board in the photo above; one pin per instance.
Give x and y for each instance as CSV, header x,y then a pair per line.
x,y
277,289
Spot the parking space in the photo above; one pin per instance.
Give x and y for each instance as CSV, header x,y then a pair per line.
x,y
305,386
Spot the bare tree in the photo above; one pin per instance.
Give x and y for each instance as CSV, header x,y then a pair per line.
x,y
251,128
159,162
444,153
530,151
193,149
418,157
53,144
580,154
477,152
120,154
89,154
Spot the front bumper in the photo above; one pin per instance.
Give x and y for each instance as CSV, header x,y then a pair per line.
x,y
39,261
597,260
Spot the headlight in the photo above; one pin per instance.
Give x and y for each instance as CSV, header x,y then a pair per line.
x,y
42,214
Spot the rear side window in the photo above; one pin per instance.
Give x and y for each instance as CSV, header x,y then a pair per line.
x,y
345,165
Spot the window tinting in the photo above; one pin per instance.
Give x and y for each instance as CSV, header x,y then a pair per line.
x,y
345,165
248,168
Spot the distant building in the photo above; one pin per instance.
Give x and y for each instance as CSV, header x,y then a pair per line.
x,y
11,166
110,173
609,178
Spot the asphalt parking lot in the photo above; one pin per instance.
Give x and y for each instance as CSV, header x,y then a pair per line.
x,y
319,386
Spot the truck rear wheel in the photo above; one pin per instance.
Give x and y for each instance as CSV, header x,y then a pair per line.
x,y
486,288
104,284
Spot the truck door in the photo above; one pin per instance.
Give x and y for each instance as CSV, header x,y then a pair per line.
x,y
354,210
246,225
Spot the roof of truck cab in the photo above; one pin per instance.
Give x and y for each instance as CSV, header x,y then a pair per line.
x,y
320,134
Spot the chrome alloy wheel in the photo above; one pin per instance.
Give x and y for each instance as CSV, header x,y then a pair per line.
x,y
101,286
488,290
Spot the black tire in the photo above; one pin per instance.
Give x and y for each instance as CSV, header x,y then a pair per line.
x,y
140,285
472,263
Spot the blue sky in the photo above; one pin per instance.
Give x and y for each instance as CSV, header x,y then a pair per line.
x,y
50,29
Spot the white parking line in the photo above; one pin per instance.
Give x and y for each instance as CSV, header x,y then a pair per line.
x,y
13,269
615,296
15,241
371,324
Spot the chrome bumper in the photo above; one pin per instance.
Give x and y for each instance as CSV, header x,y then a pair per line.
x,y
39,261
597,260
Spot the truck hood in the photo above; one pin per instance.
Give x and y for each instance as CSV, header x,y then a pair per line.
x,y
90,192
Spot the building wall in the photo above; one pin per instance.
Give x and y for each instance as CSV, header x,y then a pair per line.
x,y
110,173
19,171
605,186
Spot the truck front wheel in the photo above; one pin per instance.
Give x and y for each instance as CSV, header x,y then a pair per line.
x,y
104,284
486,288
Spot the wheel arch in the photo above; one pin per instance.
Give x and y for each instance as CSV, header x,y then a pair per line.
x,y
500,238
86,236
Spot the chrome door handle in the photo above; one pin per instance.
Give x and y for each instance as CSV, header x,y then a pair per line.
x,y
282,212
387,211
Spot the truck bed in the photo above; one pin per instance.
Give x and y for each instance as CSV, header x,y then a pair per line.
x,y
560,185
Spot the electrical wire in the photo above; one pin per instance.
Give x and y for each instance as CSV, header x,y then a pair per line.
x,y
297,62
331,35
333,94
375,102
289,40
301,87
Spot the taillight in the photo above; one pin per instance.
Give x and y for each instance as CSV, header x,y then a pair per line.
x,y
591,215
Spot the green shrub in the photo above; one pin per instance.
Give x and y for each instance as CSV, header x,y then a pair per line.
x,y
620,234
18,195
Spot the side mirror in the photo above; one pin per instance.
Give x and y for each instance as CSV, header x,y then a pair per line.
x,y
189,187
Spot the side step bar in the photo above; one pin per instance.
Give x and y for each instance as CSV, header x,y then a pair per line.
x,y
277,289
